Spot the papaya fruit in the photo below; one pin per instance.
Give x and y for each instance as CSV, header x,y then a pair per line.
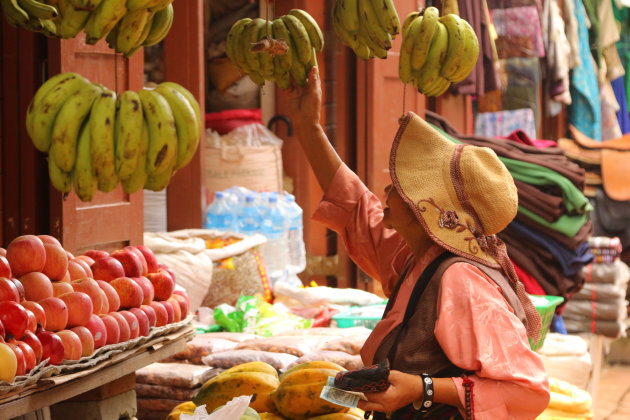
x,y
253,367
312,365
187,407
226,386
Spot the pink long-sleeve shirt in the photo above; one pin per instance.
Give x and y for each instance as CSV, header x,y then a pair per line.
x,y
476,327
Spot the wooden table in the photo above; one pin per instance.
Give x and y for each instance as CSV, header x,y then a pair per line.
x,y
62,387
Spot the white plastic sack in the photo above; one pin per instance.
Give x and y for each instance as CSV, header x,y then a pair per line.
x,y
246,243
233,410
310,296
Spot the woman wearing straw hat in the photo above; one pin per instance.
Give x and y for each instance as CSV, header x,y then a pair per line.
x,y
456,328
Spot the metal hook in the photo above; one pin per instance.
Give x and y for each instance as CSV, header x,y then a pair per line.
x,y
283,118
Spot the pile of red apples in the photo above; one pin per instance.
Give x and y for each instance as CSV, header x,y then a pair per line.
x,y
59,307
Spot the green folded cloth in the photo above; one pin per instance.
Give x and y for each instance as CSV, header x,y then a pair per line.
x,y
568,225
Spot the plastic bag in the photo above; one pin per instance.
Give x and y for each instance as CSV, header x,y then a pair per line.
x,y
350,344
233,410
314,296
295,345
202,345
228,359
174,374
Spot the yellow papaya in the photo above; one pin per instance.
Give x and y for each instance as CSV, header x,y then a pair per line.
x,y
312,365
187,407
270,416
337,416
253,367
223,388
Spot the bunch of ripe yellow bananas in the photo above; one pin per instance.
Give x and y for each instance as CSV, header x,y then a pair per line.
x,y
366,26
96,139
128,24
281,50
436,51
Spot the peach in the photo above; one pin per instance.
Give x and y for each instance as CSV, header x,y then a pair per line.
x,y
132,320
76,270
98,330
47,239
150,258
113,330
5,268
143,321
184,303
123,325
87,340
3,252
92,289
129,292
25,254
150,313
143,261
170,312
72,347
132,265
20,288
112,296
80,308
96,254
163,284
147,288
177,311
60,288
66,278
38,311
9,291
84,265
107,269
37,286
56,313
56,262
88,260
161,316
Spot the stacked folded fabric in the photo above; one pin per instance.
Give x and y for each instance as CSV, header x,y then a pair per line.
x,y
548,240
600,306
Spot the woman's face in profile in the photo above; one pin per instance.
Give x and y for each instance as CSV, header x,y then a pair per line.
x,y
396,213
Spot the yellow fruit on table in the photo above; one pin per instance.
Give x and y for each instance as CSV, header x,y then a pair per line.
x,y
8,363
261,367
270,416
226,386
312,365
187,407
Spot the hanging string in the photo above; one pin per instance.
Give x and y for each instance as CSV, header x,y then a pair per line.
x,y
404,99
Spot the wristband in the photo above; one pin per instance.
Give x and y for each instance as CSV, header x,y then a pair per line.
x,y
427,392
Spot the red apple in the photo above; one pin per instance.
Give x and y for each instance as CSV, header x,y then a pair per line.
x,y
61,288
72,348
32,321
113,330
47,239
150,313
85,258
92,289
123,326
29,354
37,286
80,308
107,269
161,316
170,312
76,270
26,253
143,321
129,292
104,303
20,288
3,252
8,291
69,254
85,266
150,258
52,346
184,303
143,261
169,270
67,278
132,265
21,360
31,339
181,291
112,296
5,268
98,330
163,284
147,288
96,254
38,311
56,313
56,262
132,321
14,318
177,312
87,340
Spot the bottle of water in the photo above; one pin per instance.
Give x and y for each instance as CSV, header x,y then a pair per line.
x,y
275,250
220,215
249,218
295,235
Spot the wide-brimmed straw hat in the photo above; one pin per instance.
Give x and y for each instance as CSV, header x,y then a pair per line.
x,y
462,195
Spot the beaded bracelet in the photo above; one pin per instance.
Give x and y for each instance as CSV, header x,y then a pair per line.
x,y
427,392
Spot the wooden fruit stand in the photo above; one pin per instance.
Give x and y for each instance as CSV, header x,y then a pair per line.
x,y
62,387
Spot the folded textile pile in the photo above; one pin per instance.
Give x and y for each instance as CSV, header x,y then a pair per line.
x,y
547,241
600,306
566,357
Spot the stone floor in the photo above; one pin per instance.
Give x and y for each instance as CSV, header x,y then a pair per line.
x,y
613,394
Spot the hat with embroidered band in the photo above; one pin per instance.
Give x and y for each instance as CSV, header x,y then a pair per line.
x,y
462,195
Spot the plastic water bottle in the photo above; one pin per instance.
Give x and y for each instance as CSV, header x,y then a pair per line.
x,y
249,218
275,250
220,214
295,235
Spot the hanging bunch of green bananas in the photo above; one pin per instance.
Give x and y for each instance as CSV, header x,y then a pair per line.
x,y
281,50
96,139
36,16
366,26
436,51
